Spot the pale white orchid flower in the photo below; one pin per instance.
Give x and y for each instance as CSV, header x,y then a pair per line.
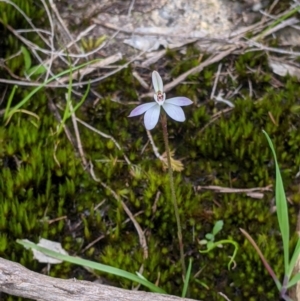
x,y
172,106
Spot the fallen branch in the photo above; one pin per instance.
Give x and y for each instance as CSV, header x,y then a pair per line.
x,y
18,281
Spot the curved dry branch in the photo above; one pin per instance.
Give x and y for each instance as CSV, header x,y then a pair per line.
x,y
18,281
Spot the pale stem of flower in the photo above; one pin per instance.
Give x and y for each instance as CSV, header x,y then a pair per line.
x,y
179,230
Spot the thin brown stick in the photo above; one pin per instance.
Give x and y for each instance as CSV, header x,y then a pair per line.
x,y
142,238
105,136
77,135
216,82
215,117
92,67
107,233
221,189
211,60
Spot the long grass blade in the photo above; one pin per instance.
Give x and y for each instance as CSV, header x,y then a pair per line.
x,y
92,265
294,259
187,279
28,97
282,210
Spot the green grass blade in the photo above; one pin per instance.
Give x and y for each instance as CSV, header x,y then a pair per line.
x,y
281,209
83,98
187,279
67,112
28,97
295,279
93,265
10,98
294,259
280,20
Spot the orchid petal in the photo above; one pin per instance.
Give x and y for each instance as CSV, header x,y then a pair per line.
x,y
157,82
141,109
179,101
175,112
151,117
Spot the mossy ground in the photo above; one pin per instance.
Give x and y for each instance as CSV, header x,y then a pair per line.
x,y
45,192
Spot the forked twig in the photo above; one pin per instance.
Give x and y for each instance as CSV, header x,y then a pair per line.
x,y
142,238
105,136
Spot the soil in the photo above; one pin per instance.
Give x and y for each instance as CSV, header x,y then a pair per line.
x,y
150,25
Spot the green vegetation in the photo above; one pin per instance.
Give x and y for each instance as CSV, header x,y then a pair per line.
x,y
291,276
46,192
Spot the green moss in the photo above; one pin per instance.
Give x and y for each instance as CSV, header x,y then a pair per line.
x,y
13,17
45,191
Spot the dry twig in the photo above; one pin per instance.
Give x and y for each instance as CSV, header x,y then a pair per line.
x,y
142,238
251,192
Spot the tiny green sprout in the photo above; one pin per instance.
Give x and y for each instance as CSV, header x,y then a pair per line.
x,y
210,237
90,43
211,244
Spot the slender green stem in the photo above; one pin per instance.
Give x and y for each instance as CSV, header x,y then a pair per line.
x,y
174,200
